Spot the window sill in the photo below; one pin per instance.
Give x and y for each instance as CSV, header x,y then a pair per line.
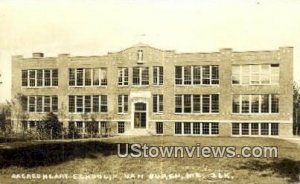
x,y
211,113
38,87
197,85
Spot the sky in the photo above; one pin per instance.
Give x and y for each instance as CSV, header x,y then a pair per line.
x,y
90,27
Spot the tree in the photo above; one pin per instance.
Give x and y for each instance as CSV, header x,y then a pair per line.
x,y
50,126
5,120
92,127
296,108
18,109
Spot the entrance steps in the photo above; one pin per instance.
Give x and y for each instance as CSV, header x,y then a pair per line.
x,y
137,131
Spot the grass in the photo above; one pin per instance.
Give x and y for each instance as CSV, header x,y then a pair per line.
x,y
99,156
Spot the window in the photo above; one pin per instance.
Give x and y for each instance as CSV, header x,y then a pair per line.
x,y
71,103
192,75
236,103
54,77
79,103
32,78
197,75
245,104
197,103
265,74
235,128
267,103
47,78
103,104
274,129
196,128
39,80
264,103
214,128
274,103
123,104
264,129
40,77
245,74
214,103
256,74
255,129
79,75
187,75
255,71
205,103
214,75
205,75
72,79
87,104
236,74
24,77
178,103
41,103
187,128
54,103
96,77
103,77
178,75
205,128
88,77
178,128
159,128
121,127
31,103
47,104
275,73
187,103
123,76
255,103
245,128
140,76
158,75
158,106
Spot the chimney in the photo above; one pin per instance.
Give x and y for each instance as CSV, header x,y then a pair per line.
x,y
37,55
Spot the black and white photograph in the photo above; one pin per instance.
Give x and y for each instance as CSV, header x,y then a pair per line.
x,y
143,91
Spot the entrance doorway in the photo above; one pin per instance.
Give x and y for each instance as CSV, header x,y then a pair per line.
x,y
140,115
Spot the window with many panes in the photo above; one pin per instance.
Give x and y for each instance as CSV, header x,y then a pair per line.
x,y
158,75
87,104
159,128
123,104
255,74
40,78
196,128
195,75
254,129
121,127
41,103
245,104
158,103
123,76
87,77
140,76
197,103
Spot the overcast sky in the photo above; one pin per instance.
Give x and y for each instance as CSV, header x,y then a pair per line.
x,y
90,27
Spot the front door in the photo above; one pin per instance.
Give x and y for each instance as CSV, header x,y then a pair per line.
x,y
140,115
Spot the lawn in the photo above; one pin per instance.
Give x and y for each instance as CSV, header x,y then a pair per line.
x,y
98,157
